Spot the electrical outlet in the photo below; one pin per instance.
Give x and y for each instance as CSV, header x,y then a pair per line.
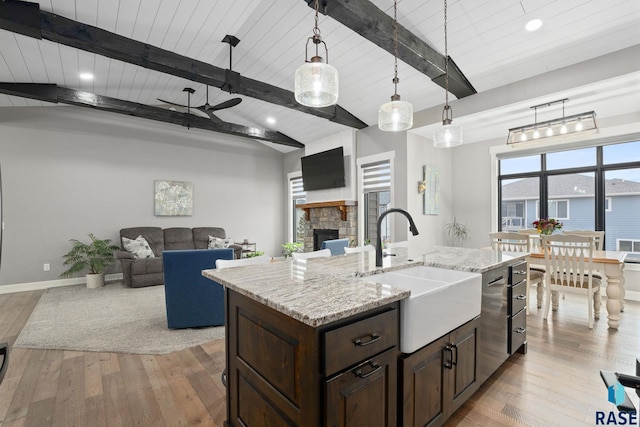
x,y
47,267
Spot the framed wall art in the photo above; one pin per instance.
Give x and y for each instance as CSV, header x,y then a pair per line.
x,y
173,198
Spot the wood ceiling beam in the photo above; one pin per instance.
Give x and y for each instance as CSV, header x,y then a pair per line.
x,y
373,24
57,94
27,19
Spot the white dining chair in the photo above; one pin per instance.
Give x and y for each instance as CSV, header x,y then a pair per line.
x,y
598,236
520,242
227,263
534,238
357,249
569,263
322,253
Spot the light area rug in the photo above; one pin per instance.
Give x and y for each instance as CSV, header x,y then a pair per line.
x,y
108,319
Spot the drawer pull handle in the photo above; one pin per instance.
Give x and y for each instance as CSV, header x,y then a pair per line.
x,y
374,337
374,368
520,330
448,362
495,281
521,297
455,358
520,272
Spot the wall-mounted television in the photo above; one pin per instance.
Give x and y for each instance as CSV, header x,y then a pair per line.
x,y
323,170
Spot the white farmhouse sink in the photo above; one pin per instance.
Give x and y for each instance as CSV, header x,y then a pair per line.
x,y
440,301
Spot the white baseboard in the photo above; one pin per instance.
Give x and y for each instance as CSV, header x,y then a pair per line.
x,y
35,286
631,295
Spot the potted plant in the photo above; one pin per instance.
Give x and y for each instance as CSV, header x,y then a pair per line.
x,y
95,257
456,232
291,247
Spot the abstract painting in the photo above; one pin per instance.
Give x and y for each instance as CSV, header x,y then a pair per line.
x,y
173,198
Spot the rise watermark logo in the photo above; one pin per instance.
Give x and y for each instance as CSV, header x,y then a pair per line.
x,y
616,395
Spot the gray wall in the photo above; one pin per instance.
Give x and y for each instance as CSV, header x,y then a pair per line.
x,y
68,172
372,141
472,183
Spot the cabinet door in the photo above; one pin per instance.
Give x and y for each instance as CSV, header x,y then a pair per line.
x,y
462,378
364,396
423,386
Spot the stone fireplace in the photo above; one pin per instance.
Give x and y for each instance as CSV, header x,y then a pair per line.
x,y
324,218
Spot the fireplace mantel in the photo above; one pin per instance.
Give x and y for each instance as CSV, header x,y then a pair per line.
x,y
340,204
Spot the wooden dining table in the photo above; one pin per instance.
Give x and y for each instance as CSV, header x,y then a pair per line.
x,y
611,264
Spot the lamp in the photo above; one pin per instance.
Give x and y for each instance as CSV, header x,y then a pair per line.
x,y
316,82
583,123
449,135
396,115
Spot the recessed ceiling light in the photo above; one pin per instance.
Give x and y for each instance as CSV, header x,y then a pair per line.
x,y
271,120
86,76
533,25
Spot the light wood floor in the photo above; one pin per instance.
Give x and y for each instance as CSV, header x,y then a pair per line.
x,y
556,383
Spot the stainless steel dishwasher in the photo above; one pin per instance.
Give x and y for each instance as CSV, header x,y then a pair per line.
x,y
494,316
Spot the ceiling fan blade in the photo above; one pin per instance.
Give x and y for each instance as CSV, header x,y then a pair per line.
x,y
212,117
171,103
226,104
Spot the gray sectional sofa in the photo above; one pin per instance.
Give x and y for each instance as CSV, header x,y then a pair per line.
x,y
148,271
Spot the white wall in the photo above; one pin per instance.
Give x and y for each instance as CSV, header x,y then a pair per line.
x,y
67,172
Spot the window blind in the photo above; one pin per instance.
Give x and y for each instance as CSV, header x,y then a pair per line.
x,y
297,188
376,177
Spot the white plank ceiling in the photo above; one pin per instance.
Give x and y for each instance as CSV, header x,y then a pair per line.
x,y
486,39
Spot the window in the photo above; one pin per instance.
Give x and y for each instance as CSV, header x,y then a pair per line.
x,y
519,206
571,159
298,196
513,213
375,184
558,209
622,224
629,245
580,188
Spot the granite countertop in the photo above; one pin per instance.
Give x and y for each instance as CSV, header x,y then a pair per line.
x,y
319,291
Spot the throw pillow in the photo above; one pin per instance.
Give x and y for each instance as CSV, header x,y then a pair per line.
x,y
216,242
139,247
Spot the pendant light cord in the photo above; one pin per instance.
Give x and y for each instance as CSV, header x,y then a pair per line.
x,y
395,47
446,58
316,31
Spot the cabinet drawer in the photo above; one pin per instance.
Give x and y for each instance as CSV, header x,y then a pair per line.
x,y
518,273
495,276
353,343
517,297
517,331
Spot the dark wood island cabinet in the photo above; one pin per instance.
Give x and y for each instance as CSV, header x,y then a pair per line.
x,y
282,372
317,343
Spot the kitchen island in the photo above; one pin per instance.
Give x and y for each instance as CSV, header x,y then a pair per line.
x,y
316,342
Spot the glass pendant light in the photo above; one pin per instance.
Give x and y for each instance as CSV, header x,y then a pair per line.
x,y
316,82
396,115
449,135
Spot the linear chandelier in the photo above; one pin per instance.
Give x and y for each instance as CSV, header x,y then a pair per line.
x,y
583,123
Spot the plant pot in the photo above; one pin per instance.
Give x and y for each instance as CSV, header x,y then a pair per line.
x,y
95,280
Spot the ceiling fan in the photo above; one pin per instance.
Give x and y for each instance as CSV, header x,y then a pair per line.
x,y
207,109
